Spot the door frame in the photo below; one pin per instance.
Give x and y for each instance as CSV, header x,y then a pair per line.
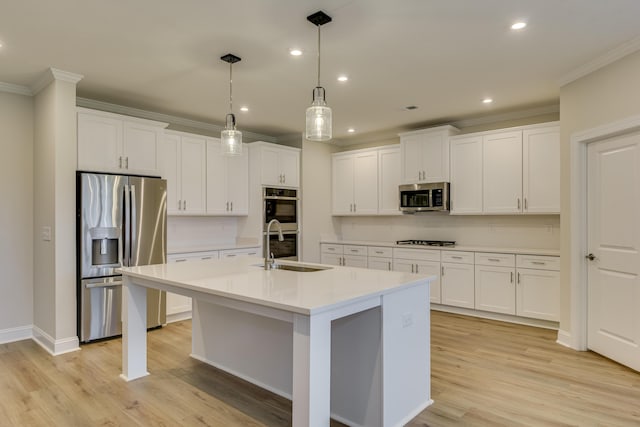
x,y
578,245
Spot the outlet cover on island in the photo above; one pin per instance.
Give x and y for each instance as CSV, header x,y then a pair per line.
x,y
46,233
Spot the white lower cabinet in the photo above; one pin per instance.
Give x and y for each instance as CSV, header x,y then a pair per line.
x,y
538,288
331,259
420,261
380,258
343,255
457,279
495,282
179,306
233,253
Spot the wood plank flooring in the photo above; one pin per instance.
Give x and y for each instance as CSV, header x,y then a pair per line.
x,y
484,373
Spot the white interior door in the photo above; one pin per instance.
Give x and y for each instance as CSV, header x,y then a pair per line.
x,y
614,239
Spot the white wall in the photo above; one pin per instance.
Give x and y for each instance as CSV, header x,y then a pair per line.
x,y
16,214
316,216
187,233
602,97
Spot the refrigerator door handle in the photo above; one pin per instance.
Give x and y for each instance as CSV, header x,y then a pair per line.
x,y
126,227
132,237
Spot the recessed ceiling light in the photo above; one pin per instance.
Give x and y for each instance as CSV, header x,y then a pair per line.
x,y
351,130
487,101
295,52
518,25
343,78
244,109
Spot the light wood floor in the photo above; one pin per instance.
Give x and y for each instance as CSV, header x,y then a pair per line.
x,y
484,373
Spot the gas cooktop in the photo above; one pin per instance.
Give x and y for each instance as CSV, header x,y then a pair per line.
x,y
426,242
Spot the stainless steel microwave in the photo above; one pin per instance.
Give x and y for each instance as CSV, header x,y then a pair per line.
x,y
424,197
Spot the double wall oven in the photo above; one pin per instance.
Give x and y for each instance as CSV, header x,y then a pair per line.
x,y
282,204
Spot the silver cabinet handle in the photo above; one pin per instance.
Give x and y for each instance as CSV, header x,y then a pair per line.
x,y
184,203
456,257
233,255
355,209
525,204
379,252
389,265
512,277
412,268
227,207
518,277
494,259
417,268
231,206
127,162
181,260
331,249
120,162
205,257
538,262
518,203
354,250
284,178
442,270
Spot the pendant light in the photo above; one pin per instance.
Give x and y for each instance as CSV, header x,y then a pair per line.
x,y
230,138
318,124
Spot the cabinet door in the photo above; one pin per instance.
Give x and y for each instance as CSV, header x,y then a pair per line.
x,y
502,172
388,181
495,289
177,304
290,168
342,185
330,259
169,169
217,201
431,268
193,174
541,170
238,184
458,285
99,143
403,265
435,157
466,175
411,158
365,183
355,261
140,148
271,173
538,294
378,263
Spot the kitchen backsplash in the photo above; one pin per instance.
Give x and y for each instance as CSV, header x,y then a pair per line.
x,y
498,231
184,232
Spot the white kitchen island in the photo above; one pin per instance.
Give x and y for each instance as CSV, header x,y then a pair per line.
x,y
347,343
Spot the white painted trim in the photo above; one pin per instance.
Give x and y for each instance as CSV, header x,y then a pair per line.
x,y
172,120
444,128
564,338
512,115
54,74
17,89
538,323
626,48
16,334
131,119
178,317
414,413
53,346
578,242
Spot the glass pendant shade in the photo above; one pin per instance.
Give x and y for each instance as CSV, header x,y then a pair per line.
x,y
230,138
318,123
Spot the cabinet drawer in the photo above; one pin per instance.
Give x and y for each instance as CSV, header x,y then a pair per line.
x,y
539,262
355,250
459,257
193,256
416,254
504,260
380,251
329,248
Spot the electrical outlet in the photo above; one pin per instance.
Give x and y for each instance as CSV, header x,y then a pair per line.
x,y
407,320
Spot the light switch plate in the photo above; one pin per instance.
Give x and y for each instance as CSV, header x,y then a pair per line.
x,y
46,233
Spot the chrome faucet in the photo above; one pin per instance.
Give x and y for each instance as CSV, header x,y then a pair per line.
x,y
269,259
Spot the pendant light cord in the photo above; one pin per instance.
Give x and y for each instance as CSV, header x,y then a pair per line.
x,y
230,87
318,56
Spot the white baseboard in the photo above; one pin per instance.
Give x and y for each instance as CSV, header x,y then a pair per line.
x,y
177,317
564,338
53,346
527,321
16,334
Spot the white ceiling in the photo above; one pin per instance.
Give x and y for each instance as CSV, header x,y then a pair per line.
x,y
443,56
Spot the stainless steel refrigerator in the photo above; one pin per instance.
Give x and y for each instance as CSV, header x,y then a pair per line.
x,y
121,221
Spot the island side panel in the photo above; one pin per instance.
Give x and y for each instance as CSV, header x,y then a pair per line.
x,y
255,348
134,330
406,354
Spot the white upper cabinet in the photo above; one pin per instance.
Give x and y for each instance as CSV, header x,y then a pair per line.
x,y
110,142
227,181
279,165
466,175
355,183
541,170
502,172
425,154
389,178
182,161
506,172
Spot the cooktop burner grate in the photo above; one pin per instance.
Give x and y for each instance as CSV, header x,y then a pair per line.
x,y
426,242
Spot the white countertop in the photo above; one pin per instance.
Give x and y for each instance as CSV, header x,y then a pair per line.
x,y
240,244
306,293
519,251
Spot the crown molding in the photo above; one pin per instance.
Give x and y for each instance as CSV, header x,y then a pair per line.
x,y
17,89
511,115
174,121
602,61
54,74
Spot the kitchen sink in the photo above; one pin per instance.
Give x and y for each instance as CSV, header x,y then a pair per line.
x,y
302,268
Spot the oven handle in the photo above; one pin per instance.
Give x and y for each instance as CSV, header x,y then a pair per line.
x,y
279,198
